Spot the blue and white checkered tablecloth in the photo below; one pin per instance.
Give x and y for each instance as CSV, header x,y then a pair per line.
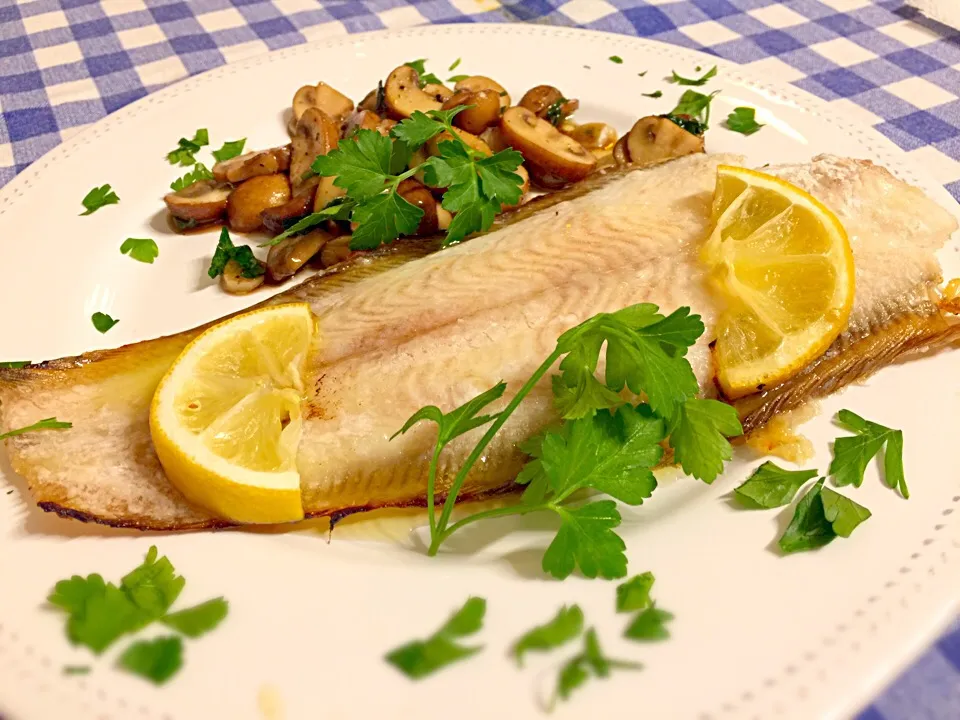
x,y
65,65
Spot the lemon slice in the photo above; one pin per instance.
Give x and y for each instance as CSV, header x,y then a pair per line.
x,y
225,419
782,262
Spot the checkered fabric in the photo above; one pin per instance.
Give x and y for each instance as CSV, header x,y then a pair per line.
x,y
65,65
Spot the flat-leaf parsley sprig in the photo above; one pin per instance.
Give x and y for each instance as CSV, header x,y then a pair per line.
x,y
605,443
371,167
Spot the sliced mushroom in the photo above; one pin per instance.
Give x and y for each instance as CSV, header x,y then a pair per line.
x,y
233,281
419,196
440,93
202,202
620,153
475,83
433,144
551,156
292,253
322,97
522,172
593,136
483,109
277,219
327,192
374,100
403,95
316,134
385,126
254,196
243,167
336,251
656,138
546,100
494,138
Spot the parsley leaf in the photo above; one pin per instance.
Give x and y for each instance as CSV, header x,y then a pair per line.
x,y
425,77
809,528
616,59
199,619
338,209
106,614
156,660
586,539
841,512
851,455
102,322
13,364
698,81
699,437
45,424
743,120
420,658
692,112
153,586
184,153
456,78
649,625
144,250
455,423
634,594
230,149
578,669
420,127
98,198
770,486
556,113
565,626
226,251
361,167
382,219
655,94
199,172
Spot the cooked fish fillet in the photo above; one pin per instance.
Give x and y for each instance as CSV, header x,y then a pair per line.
x,y
410,327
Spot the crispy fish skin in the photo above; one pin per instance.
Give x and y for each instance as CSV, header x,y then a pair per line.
x,y
401,332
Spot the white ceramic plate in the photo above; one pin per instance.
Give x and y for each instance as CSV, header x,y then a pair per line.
x,y
755,635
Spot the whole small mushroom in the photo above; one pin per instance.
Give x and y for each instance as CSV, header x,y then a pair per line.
x,y
252,197
419,196
483,109
547,102
475,83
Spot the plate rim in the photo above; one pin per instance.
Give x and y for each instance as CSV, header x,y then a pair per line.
x,y
894,158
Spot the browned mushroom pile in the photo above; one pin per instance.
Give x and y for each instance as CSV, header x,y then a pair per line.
x,y
269,190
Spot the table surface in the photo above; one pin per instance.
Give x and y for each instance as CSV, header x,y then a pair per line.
x,y
65,65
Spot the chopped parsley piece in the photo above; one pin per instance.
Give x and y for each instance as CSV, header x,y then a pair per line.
x,y
642,74
821,515
650,624
851,455
199,172
100,613
590,661
99,197
634,594
616,59
144,250
226,251
770,486
230,149
697,81
655,94
199,619
604,443
555,113
45,424
692,112
425,77
743,120
76,670
156,660
102,322
565,626
453,65
420,658
186,149
13,364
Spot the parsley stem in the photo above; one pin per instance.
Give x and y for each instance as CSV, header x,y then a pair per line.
x,y
438,535
431,489
486,515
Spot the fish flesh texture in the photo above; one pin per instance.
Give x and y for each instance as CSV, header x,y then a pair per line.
x,y
408,327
